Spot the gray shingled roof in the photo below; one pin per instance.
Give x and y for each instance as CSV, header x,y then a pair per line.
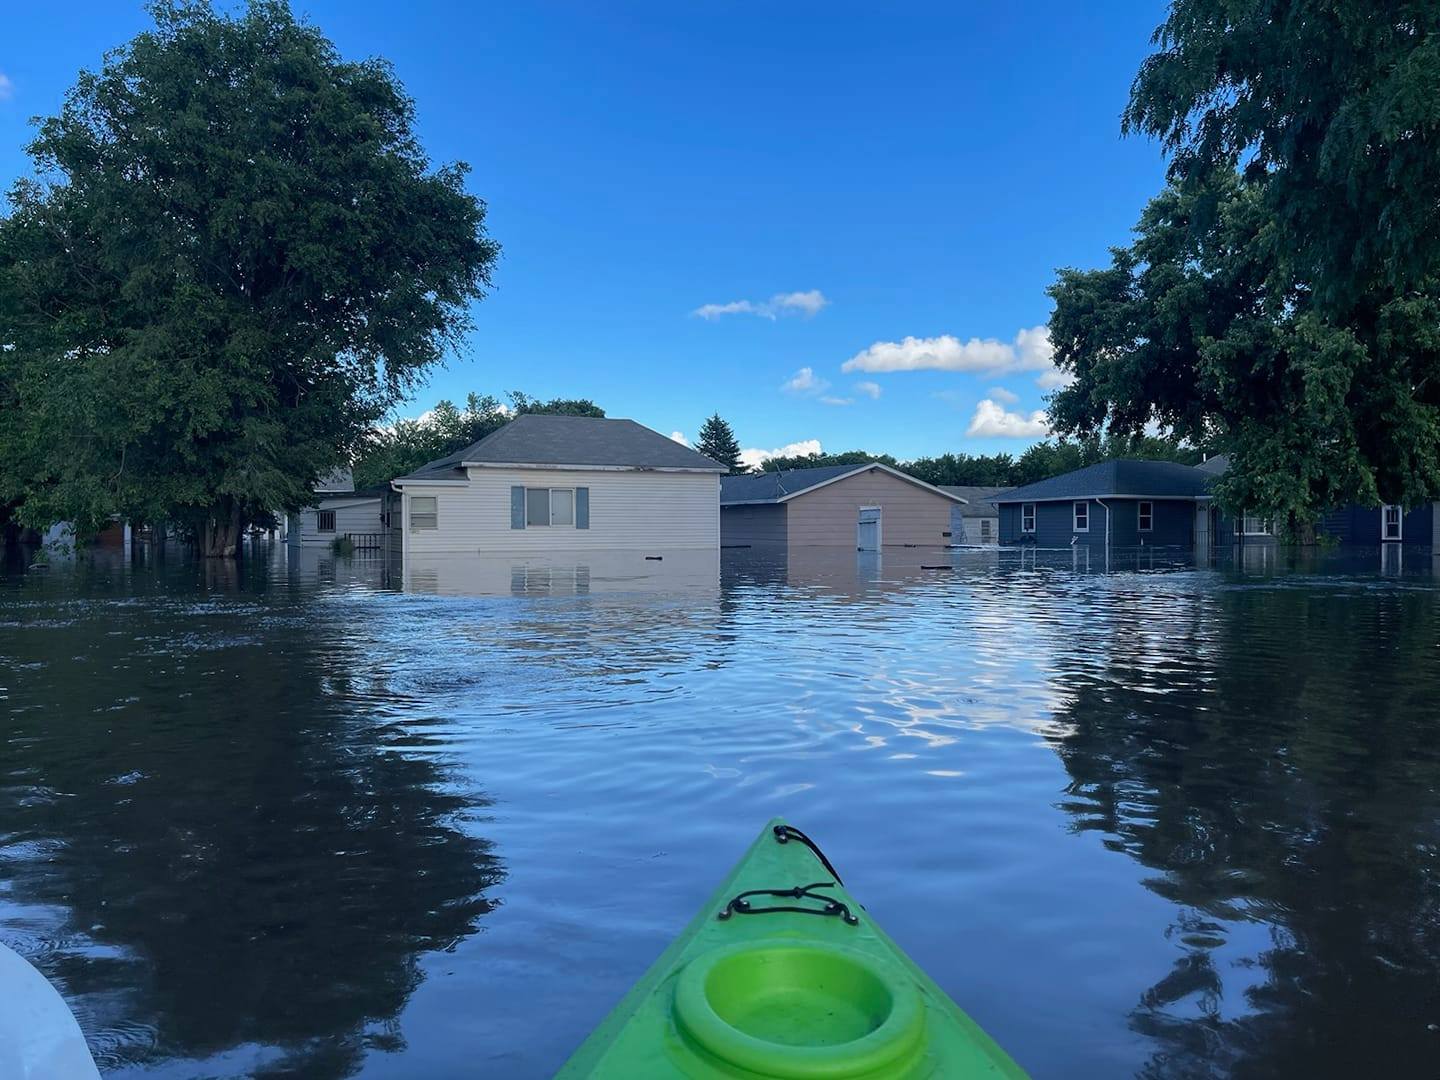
x,y
1118,478
535,439
981,499
1216,466
771,487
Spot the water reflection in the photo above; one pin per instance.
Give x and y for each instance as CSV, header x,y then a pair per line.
x,y
221,849
1271,759
1158,815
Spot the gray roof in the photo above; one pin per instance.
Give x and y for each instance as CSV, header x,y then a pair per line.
x,y
981,499
537,439
1117,478
340,479
1216,466
773,487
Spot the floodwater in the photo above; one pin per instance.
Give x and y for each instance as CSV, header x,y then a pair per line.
x,y
321,817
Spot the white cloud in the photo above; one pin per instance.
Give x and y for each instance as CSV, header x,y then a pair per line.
x,y
831,400
805,381
1029,351
679,436
754,458
991,421
869,389
7,88
806,303
1054,379
1000,393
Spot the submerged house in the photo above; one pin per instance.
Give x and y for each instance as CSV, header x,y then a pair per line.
x,y
559,484
1127,503
338,511
866,506
1119,503
978,521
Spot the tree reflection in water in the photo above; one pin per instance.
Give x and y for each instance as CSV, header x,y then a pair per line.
x,y
1308,805
217,843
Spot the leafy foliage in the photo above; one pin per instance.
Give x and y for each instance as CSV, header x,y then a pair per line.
x,y
717,442
234,259
408,444
1281,298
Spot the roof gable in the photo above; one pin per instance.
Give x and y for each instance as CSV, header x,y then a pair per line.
x,y
778,487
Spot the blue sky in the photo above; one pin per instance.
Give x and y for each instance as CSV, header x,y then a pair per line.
x,y
829,179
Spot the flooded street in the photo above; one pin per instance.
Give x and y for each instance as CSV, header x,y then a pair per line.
x,y
320,817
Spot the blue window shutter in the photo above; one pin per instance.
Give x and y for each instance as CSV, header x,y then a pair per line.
x,y
517,507
582,508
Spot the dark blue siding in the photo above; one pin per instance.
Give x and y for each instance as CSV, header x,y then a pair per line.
x,y
1360,525
1174,524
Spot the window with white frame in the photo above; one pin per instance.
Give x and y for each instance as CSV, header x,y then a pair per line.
x,y
1027,517
1248,524
1147,516
1082,517
324,520
550,507
1391,519
424,512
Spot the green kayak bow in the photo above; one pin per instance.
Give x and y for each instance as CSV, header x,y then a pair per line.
x,y
784,975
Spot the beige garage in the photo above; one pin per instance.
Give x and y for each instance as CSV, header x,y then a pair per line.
x,y
865,506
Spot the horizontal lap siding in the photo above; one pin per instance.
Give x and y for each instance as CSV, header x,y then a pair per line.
x,y
758,526
363,517
628,511
827,516
1174,523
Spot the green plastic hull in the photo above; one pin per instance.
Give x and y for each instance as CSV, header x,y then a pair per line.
x,y
785,994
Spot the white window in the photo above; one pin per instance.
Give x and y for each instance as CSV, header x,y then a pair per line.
x,y
1147,516
324,520
1248,524
1082,517
549,506
1391,519
424,512
1027,517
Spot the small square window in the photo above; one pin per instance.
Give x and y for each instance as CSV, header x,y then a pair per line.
x,y
424,512
537,507
1147,516
1082,517
324,520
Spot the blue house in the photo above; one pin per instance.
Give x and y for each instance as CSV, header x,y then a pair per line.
x,y
1126,503
1117,504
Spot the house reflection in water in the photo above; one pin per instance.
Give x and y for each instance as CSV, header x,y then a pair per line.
x,y
565,573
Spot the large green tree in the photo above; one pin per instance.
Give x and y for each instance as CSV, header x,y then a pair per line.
x,y
234,258
717,442
1282,296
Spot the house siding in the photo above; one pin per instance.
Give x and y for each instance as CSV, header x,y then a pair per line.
x,y
761,525
1360,525
1054,524
827,516
1174,523
357,516
629,510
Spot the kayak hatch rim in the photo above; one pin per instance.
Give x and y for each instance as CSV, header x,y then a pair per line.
x,y
799,1009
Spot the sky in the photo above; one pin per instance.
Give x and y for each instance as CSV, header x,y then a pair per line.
x,y
832,223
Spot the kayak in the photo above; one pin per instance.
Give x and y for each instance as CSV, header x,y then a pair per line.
x,y
784,975
39,1037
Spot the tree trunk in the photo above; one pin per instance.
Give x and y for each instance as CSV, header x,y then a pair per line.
x,y
220,535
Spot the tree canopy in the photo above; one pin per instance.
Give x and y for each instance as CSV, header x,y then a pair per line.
x,y
717,442
234,258
1280,299
406,445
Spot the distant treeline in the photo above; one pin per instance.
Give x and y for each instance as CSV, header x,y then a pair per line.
x,y
1044,459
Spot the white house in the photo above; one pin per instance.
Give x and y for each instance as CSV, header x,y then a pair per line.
x,y
339,510
544,484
